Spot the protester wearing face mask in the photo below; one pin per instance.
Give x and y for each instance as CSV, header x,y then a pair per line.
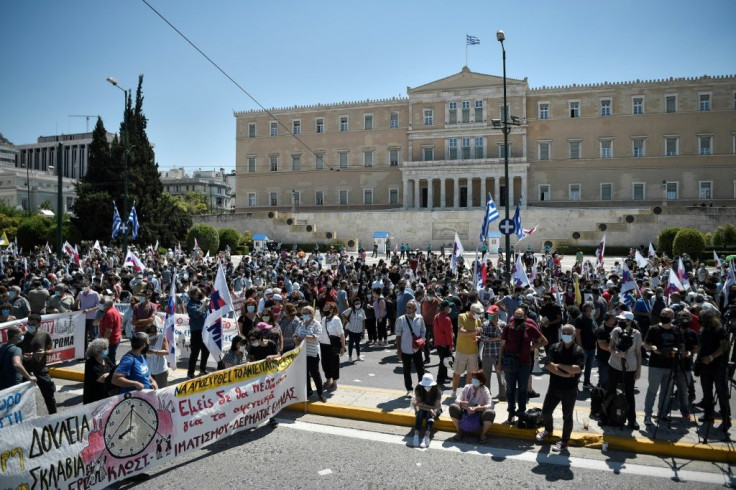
x,y
36,346
87,301
157,356
236,354
310,331
111,326
21,308
133,373
144,313
248,320
624,362
354,320
290,323
5,315
331,327
60,301
12,371
96,369
466,351
564,361
666,344
408,327
197,310
475,398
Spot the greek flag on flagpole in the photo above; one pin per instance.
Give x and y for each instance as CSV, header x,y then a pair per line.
x,y
220,305
471,40
116,221
490,216
517,220
133,220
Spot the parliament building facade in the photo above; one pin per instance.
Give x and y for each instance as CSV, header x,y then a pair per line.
x,y
626,144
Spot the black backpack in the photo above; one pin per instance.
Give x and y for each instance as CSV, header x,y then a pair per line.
x,y
615,408
597,396
531,419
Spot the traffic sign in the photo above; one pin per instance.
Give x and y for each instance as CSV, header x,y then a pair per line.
x,y
507,226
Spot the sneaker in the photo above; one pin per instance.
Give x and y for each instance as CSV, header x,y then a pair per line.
x,y
510,420
425,442
542,436
415,441
559,447
587,386
453,394
648,420
700,404
408,393
360,358
633,425
533,394
350,358
322,399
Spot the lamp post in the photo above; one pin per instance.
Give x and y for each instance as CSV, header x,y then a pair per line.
x,y
506,128
124,138
59,203
28,185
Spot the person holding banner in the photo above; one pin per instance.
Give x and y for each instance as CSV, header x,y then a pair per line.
x,y
197,310
11,362
36,346
96,369
236,355
311,330
133,373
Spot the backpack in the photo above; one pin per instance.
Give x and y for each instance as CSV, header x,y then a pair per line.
x,y
531,419
597,395
615,408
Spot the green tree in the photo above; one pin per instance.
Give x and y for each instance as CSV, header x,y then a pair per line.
x,y
207,238
45,205
229,237
196,202
725,236
69,231
178,221
665,240
33,231
688,241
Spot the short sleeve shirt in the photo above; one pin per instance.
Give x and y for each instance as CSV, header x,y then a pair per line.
x,y
134,368
9,375
513,337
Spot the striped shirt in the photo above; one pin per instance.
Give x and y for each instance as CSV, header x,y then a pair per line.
x,y
311,328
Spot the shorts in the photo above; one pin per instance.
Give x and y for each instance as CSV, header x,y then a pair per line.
x,y
465,363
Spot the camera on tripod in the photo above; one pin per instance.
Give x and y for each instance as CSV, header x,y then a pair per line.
x,y
625,340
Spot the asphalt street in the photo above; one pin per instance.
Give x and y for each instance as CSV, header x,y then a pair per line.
x,y
316,452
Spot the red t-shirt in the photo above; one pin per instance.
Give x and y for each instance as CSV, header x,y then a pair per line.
x,y
442,329
111,323
513,337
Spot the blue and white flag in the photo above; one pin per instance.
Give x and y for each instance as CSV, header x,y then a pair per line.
x,y
628,283
133,220
600,251
220,305
170,324
517,221
116,222
490,216
471,40
518,273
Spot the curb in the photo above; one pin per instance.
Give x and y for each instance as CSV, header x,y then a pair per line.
x,y
702,452
68,374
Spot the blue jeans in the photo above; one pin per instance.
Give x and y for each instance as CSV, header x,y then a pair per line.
x,y
425,415
589,356
517,377
603,374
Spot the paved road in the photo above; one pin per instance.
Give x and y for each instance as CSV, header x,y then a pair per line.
x,y
313,452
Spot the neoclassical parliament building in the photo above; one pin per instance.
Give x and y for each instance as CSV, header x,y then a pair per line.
x,y
622,144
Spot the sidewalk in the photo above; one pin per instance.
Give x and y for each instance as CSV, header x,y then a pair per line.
x,y
683,440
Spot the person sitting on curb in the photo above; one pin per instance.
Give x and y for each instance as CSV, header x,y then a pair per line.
x,y
564,362
427,400
475,397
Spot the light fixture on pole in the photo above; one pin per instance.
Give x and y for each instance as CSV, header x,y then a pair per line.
x,y
59,203
28,182
124,138
505,126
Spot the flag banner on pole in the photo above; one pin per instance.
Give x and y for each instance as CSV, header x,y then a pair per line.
x,y
220,305
517,220
170,324
490,216
578,294
457,251
640,260
599,252
134,261
518,273
673,284
133,220
471,40
652,253
682,275
96,246
628,283
730,281
527,232
4,240
117,223
716,259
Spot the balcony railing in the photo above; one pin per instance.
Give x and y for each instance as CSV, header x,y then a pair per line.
x,y
461,162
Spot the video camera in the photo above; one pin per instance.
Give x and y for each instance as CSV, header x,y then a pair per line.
x,y
625,340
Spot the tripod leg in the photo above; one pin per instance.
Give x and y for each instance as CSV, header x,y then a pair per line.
x,y
665,396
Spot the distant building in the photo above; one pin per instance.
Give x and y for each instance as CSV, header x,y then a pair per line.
x,y
30,189
8,152
216,185
75,153
638,143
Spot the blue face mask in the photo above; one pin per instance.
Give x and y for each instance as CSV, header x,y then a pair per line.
x,y
306,317
5,312
475,382
11,294
20,339
251,308
105,353
566,338
31,329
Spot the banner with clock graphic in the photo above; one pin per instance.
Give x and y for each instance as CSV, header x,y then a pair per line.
x,y
95,445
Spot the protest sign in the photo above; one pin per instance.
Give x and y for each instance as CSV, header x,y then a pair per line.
x,y
66,331
95,445
17,404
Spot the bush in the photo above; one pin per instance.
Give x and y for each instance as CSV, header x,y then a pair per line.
x,y
242,250
725,236
207,238
688,241
69,233
33,231
666,239
229,237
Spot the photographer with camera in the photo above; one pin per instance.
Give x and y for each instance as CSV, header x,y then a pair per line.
x,y
686,393
625,362
711,365
665,343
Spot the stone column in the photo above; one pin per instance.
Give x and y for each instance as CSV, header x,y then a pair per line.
x,y
470,192
406,193
417,194
510,191
443,196
456,203
483,193
430,193
524,191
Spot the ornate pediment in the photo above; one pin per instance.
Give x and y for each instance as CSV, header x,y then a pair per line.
x,y
463,80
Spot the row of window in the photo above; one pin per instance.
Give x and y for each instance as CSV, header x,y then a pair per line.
x,y
343,159
186,188
637,105
343,123
320,198
638,147
638,191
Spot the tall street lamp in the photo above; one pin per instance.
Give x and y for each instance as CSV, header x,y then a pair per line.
x,y
505,126
28,182
59,203
124,137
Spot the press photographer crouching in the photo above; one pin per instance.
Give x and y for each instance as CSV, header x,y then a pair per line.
x,y
625,362
711,365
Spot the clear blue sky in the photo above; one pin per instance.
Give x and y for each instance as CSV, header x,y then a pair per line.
x,y
57,54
